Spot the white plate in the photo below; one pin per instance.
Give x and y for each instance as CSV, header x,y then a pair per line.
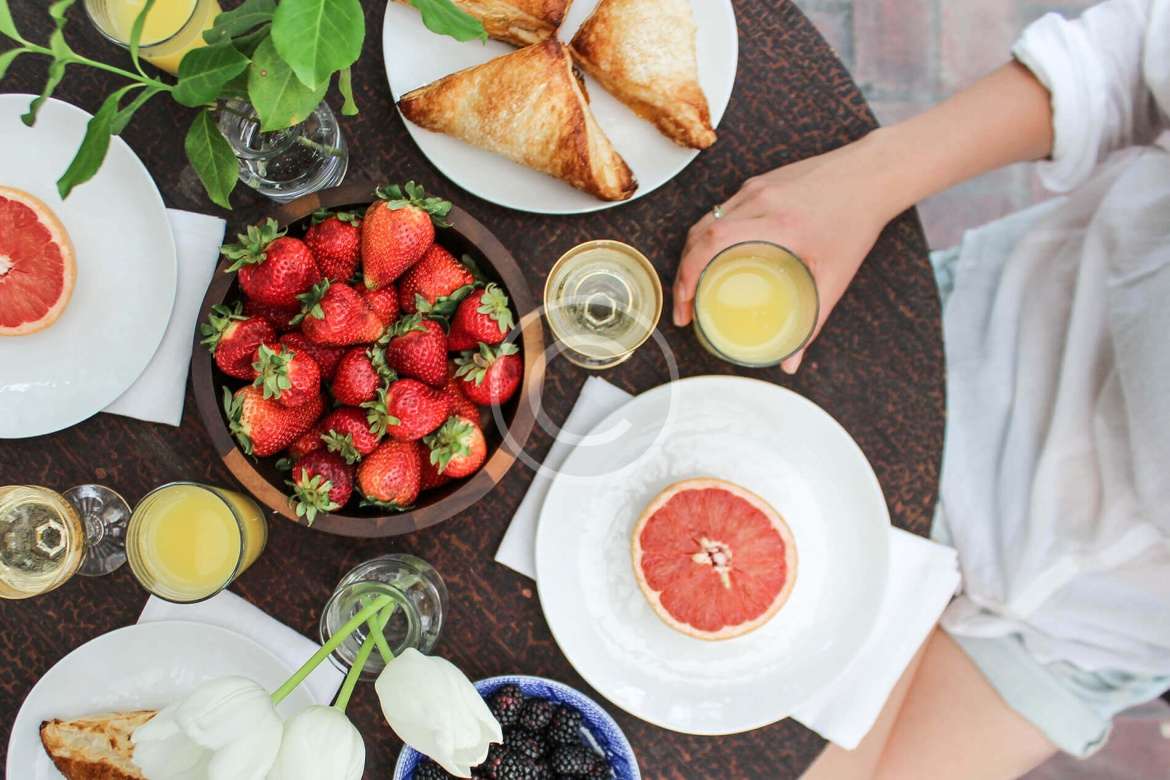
x,y
773,442
144,666
126,275
415,56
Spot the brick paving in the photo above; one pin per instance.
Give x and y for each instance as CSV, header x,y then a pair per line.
x,y
909,54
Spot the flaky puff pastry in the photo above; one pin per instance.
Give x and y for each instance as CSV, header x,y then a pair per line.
x,y
530,107
518,22
643,52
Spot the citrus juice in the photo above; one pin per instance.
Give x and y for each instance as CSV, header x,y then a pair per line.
x,y
755,305
187,542
172,28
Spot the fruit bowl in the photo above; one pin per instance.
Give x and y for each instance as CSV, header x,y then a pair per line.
x,y
604,734
506,430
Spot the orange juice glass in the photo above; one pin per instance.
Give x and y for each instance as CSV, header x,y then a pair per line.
x,y
172,28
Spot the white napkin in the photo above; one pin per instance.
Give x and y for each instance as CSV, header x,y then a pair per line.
x,y
157,395
227,610
923,578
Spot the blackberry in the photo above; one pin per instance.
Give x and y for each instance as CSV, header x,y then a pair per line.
x,y
543,772
492,763
514,766
429,770
573,760
506,705
525,743
565,727
600,771
537,714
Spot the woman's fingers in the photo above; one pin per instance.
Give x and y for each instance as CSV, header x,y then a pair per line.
x,y
701,248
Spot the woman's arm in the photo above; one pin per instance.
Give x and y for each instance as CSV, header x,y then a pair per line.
x,y
830,209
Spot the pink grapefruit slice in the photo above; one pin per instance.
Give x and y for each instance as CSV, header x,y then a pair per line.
x,y
714,560
37,266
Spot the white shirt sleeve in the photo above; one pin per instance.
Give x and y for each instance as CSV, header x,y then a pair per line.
x,y
1093,68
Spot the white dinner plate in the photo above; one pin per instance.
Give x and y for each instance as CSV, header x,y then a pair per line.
x,y
143,666
415,57
126,275
770,440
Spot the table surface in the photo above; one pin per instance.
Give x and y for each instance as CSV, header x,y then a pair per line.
x,y
878,368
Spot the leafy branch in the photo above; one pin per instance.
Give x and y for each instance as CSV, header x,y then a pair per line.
x,y
279,56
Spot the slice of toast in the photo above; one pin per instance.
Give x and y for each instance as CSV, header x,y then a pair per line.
x,y
97,747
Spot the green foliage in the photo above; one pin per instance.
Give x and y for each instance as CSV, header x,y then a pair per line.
x,y
278,96
204,73
444,18
317,38
212,158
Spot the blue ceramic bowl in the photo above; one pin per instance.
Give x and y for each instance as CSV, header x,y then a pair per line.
x,y
601,726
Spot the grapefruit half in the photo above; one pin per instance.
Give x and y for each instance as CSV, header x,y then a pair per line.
x,y
714,560
37,266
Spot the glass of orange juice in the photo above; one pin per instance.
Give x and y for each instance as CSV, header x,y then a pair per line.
x,y
756,304
187,542
172,28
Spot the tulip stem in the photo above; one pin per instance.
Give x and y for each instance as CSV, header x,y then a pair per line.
x,y
338,637
376,627
359,662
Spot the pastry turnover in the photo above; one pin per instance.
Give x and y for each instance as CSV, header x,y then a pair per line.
x,y
531,107
97,747
643,52
518,22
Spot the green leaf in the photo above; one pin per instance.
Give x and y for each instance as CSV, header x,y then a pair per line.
x,y
136,34
204,72
345,87
318,37
247,44
276,93
94,145
126,114
7,57
444,18
232,24
56,73
213,159
7,25
58,10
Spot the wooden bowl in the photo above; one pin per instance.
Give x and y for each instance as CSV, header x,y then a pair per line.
x,y
260,476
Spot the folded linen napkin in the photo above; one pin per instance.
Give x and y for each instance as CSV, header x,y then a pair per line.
x,y
227,610
923,578
157,395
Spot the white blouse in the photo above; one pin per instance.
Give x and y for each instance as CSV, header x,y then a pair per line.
x,y
1056,472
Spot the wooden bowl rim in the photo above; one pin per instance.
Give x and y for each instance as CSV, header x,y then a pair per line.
x,y
504,266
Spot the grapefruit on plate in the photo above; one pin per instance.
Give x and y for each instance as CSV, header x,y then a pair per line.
x,y
37,267
715,561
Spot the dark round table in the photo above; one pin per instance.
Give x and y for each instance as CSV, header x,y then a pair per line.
x,y
878,368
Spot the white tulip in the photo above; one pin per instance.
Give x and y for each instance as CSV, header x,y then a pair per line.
x,y
226,729
435,709
320,743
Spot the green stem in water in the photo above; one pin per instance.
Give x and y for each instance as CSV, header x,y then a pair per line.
x,y
339,636
377,623
379,638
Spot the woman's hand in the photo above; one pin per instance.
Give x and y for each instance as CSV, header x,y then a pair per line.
x,y
823,209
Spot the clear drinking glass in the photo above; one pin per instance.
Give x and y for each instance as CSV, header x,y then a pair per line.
x,y
285,164
420,602
172,28
47,537
602,300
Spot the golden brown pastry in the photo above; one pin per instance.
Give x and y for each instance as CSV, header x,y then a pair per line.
x,y
643,52
97,747
529,107
518,22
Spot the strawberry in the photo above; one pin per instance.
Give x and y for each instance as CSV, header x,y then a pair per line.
x,y
273,268
327,357
458,448
483,317
390,476
361,372
430,477
281,317
347,432
321,482
288,376
418,348
264,427
309,441
336,315
232,339
461,406
408,410
336,242
435,284
490,376
398,228
383,302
